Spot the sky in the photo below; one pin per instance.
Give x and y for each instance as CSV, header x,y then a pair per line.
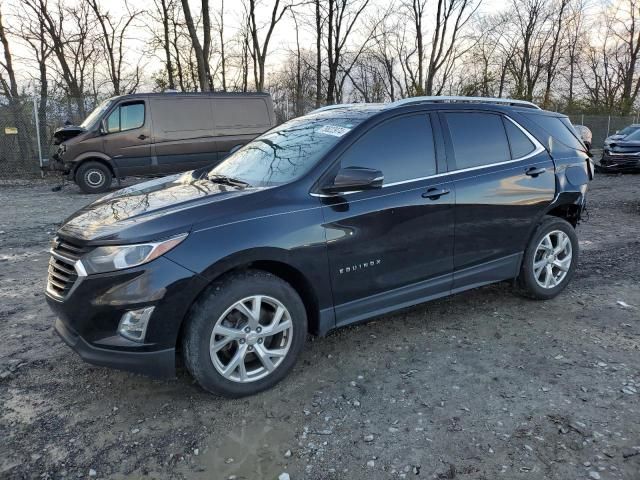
x,y
283,40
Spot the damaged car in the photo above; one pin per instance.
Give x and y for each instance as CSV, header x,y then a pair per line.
x,y
622,155
330,219
158,134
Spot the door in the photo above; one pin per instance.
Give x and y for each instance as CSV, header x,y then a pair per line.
x,y
392,246
504,180
128,139
183,137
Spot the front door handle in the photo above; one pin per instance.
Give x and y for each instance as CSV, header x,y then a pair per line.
x,y
534,172
435,193
142,136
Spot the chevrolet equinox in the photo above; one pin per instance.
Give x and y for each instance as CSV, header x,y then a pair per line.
x,y
329,219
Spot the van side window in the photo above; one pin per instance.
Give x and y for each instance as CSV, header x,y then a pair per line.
x,y
126,117
478,139
401,148
520,145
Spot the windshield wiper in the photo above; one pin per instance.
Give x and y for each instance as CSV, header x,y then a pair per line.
x,y
234,182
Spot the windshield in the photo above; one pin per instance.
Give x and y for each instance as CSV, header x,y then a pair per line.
x,y
633,135
287,152
628,130
93,117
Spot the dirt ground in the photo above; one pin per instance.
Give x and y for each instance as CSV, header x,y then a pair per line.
x,y
482,385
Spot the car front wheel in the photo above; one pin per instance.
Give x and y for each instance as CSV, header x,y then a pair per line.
x,y
94,177
245,334
550,259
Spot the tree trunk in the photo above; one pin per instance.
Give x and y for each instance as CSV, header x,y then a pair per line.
x,y
201,60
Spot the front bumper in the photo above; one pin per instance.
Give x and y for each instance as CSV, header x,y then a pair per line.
x,y
89,315
159,364
619,163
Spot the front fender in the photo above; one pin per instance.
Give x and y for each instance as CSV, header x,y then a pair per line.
x,y
93,155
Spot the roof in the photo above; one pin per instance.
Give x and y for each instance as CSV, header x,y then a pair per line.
x,y
429,100
193,94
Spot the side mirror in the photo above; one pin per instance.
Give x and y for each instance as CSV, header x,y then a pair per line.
x,y
103,127
235,149
354,179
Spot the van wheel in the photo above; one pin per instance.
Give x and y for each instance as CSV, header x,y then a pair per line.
x,y
93,177
550,259
245,334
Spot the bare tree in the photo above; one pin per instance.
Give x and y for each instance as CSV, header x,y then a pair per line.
x,y
202,50
113,40
553,56
260,49
9,84
341,20
70,32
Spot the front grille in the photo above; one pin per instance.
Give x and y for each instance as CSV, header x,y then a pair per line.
x,y
62,271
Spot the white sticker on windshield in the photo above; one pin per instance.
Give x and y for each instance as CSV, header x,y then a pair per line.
x,y
334,130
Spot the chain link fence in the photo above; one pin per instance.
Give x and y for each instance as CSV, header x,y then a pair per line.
x,y
602,126
19,157
27,125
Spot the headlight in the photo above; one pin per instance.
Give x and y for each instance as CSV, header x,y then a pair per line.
x,y
110,258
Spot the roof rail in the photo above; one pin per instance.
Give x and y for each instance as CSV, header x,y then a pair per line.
x,y
455,99
334,106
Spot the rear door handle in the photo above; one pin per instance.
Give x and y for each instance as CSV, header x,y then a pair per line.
x,y
142,136
435,193
534,172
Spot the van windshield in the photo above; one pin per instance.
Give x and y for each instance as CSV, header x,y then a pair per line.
x,y
286,152
93,117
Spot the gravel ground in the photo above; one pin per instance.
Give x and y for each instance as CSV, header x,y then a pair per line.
x,y
481,385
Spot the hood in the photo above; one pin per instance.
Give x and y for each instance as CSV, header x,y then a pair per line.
x,y
623,146
67,132
140,205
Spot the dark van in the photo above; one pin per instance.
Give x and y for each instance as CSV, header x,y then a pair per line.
x,y
158,134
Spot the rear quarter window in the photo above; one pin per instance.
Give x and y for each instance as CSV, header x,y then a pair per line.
x,y
559,128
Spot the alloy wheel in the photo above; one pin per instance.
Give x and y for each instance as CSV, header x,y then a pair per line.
x,y
251,339
552,259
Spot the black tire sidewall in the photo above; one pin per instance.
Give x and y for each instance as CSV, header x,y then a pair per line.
x,y
87,167
527,278
212,304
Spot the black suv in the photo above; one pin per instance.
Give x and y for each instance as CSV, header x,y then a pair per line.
x,y
344,214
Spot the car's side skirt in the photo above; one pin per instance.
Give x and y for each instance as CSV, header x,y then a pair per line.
x,y
364,309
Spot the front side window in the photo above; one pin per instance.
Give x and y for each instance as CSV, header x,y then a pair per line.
x,y
478,138
93,117
126,117
401,148
287,152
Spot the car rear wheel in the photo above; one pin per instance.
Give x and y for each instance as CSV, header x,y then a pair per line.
x,y
245,334
93,177
550,259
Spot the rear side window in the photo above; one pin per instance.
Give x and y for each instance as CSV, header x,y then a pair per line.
x,y
478,139
401,148
520,145
126,117
559,128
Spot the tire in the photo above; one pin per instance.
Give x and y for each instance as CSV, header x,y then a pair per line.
x,y
532,280
93,177
218,307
